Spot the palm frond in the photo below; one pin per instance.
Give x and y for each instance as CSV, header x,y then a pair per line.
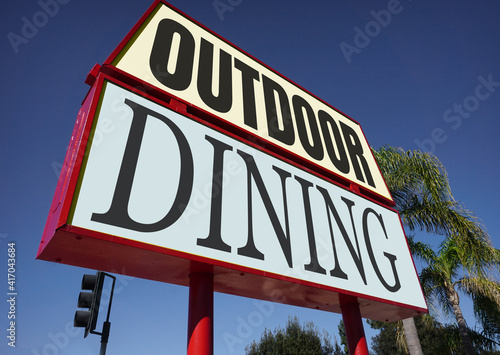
x,y
483,287
409,172
488,314
421,250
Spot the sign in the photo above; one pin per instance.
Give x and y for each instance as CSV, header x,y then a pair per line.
x,y
173,53
155,190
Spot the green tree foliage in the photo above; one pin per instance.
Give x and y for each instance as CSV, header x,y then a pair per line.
x,y
420,188
293,340
435,338
419,185
343,337
456,267
489,314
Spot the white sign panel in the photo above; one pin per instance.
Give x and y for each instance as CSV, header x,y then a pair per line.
x,y
160,178
177,55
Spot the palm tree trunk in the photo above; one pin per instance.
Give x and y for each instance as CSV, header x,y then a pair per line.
x,y
412,337
462,326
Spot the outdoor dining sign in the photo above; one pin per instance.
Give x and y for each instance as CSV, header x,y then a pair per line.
x,y
188,152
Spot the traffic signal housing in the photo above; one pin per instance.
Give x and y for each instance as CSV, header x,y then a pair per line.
x,y
89,300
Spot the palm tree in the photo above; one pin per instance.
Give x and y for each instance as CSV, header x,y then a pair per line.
x,y
461,266
415,180
421,191
420,188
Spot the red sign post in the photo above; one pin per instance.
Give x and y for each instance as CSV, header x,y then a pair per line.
x,y
201,313
356,340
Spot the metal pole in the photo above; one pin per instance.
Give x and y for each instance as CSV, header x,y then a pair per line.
x,y
106,325
353,323
104,337
201,314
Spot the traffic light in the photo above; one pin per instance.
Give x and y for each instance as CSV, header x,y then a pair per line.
x,y
90,300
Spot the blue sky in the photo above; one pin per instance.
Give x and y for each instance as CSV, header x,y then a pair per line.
x,y
425,78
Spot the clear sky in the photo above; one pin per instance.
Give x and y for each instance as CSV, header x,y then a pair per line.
x,y
426,78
